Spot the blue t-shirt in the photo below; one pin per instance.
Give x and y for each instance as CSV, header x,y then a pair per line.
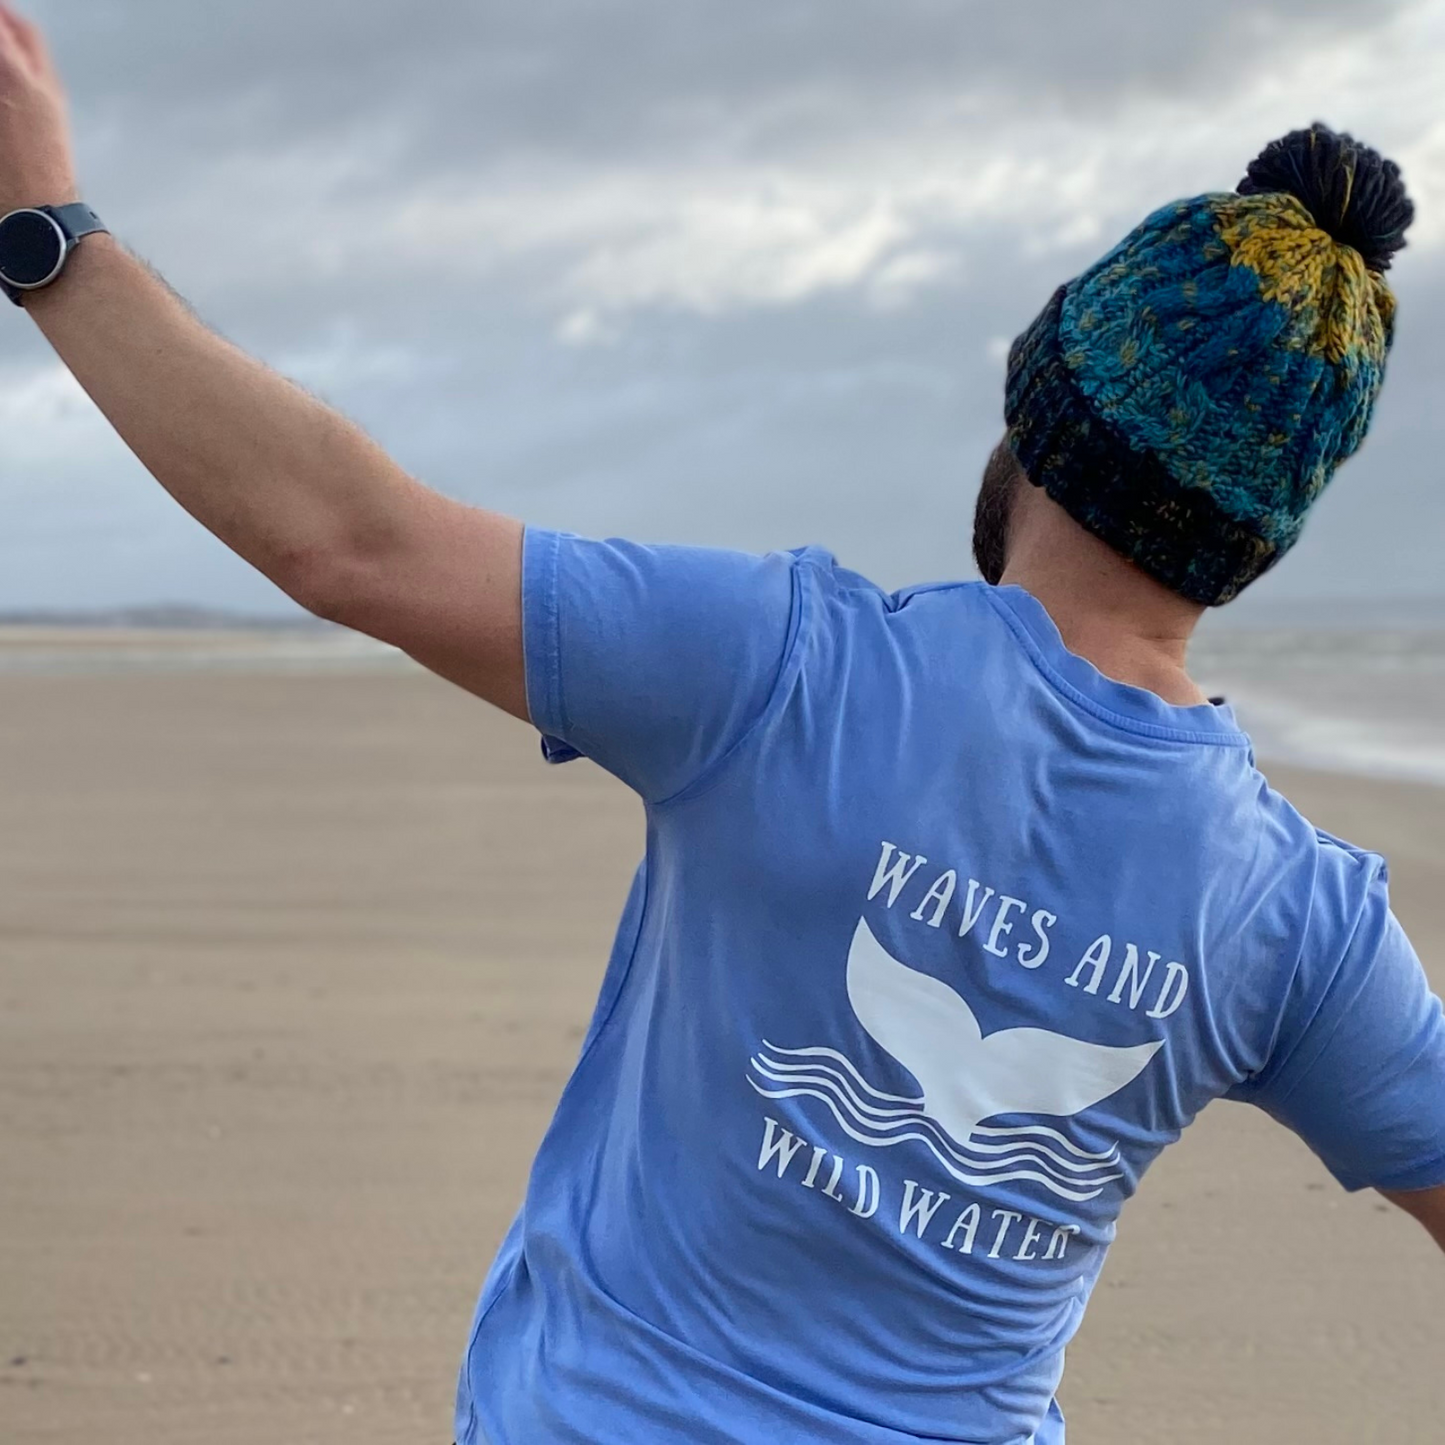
x,y
941,936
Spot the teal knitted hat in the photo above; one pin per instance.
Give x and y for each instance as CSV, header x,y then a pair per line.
x,y
1188,397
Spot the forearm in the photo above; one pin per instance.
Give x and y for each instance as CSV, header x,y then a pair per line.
x,y
282,479
1428,1206
279,477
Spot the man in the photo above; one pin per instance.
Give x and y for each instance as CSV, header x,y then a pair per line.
x,y
958,903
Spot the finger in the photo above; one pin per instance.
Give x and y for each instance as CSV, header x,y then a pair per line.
x,y
12,47
25,33
31,37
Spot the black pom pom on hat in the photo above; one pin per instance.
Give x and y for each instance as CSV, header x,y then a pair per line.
x,y
1352,191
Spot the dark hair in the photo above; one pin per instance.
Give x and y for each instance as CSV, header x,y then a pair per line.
x,y
993,510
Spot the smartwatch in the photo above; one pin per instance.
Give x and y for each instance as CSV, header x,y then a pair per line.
x,y
36,243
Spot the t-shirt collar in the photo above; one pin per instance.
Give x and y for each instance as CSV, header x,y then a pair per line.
x,y
1133,707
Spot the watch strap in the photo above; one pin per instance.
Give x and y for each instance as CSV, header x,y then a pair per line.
x,y
76,220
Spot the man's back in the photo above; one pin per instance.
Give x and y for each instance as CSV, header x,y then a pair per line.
x,y
942,935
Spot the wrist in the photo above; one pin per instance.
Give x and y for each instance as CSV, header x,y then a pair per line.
x,y
38,246
31,196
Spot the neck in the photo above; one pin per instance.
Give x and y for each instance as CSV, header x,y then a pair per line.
x,y
1129,626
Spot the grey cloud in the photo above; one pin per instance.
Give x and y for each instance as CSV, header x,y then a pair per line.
x,y
828,423
470,82
828,419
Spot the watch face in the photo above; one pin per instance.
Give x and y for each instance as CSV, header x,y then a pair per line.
x,y
32,247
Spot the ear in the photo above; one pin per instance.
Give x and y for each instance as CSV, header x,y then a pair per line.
x,y
998,495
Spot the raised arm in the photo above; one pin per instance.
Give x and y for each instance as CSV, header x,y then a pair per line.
x,y
1426,1205
287,483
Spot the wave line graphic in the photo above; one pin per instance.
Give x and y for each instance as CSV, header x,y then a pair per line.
x,y
779,1071
1108,1156
1024,1149
953,1169
1020,1154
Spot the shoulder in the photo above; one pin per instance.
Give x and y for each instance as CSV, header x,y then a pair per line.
x,y
1350,884
1347,861
1331,879
848,618
1334,860
844,587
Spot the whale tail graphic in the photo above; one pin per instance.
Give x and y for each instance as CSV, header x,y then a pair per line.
x,y
965,1077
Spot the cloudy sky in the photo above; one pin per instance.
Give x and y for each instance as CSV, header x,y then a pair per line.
x,y
740,273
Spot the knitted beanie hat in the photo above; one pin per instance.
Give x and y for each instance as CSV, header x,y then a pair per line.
x,y
1187,398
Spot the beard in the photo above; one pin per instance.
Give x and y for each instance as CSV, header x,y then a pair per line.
x,y
992,512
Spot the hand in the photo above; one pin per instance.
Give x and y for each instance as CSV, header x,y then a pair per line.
x,y
36,164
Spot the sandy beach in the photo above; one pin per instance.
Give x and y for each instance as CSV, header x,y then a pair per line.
x,y
292,967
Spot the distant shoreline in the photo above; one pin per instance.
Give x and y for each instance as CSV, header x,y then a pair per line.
x,y
1356,702
117,650
1245,618
164,618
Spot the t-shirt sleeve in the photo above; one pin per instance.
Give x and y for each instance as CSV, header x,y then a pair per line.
x,y
1359,1068
653,661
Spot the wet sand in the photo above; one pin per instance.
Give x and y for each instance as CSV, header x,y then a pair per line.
x,y
291,971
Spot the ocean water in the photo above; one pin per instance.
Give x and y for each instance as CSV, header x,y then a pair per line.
x,y
1358,700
